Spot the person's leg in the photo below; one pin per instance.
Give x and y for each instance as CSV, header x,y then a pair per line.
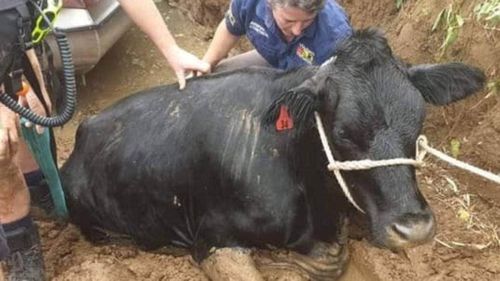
x,y
25,159
35,180
20,249
24,260
9,35
14,196
250,58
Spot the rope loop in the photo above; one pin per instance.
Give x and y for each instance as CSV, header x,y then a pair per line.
x,y
420,154
370,164
422,148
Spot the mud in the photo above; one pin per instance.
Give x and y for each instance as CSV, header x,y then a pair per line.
x,y
467,246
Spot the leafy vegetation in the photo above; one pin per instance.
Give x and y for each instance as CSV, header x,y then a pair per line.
x,y
455,147
399,3
488,11
493,88
452,22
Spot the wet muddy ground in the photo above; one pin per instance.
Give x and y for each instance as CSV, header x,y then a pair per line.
x,y
467,246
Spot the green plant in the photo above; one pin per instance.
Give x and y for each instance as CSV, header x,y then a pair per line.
x,y
452,22
455,147
399,3
493,88
488,11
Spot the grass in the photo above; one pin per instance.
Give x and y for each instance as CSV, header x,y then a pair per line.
x,y
451,21
399,4
488,12
493,88
478,224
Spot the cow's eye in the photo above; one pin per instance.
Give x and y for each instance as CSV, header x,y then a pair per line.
x,y
341,134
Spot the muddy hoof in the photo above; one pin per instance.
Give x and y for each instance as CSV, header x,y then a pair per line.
x,y
324,262
231,264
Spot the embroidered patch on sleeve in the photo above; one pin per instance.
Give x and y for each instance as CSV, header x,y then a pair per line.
x,y
258,28
305,53
230,17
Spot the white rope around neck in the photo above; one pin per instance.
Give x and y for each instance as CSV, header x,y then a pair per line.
x,y
336,166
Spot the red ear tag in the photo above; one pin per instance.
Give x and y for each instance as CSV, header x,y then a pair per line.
x,y
284,121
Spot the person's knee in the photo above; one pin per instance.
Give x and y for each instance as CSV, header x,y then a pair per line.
x,y
25,159
14,195
6,155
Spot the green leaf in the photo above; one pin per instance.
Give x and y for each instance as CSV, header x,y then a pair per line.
x,y
451,37
449,15
460,20
438,20
477,9
489,11
494,17
399,3
494,87
455,147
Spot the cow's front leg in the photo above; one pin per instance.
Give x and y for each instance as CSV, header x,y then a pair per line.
x,y
231,264
325,261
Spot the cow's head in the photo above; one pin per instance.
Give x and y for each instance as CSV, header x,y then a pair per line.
x,y
373,107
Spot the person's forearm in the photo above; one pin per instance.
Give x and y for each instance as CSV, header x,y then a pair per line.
x,y
221,44
145,14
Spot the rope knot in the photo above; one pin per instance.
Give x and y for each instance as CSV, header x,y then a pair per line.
x,y
422,147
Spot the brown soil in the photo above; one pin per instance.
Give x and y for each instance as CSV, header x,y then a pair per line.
x,y
467,245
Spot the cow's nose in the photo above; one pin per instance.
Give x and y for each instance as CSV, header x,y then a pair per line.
x,y
414,228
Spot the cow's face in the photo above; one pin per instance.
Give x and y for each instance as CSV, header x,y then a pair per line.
x,y
377,117
373,108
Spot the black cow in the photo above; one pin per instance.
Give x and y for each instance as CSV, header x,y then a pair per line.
x,y
205,168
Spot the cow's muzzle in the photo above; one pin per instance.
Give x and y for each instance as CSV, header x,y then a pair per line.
x,y
411,230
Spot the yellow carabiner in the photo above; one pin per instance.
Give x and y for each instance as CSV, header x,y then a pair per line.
x,y
44,22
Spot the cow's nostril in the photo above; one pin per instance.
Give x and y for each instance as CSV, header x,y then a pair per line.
x,y
401,230
415,230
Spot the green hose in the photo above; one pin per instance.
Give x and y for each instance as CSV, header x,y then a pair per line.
x,y
39,144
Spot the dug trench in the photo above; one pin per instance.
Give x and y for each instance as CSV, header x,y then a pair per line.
x,y
467,208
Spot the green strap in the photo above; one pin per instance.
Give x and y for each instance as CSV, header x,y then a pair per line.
x,y
39,144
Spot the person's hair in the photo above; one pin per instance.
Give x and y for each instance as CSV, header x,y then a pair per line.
x,y
311,6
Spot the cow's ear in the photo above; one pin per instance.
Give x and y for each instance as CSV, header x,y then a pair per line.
x,y
441,84
300,102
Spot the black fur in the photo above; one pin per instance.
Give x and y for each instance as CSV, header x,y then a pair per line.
x,y
301,103
442,84
197,169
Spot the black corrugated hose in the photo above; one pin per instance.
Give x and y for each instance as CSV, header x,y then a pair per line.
x,y
69,102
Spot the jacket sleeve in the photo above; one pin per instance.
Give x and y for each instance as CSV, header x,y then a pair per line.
x,y
236,18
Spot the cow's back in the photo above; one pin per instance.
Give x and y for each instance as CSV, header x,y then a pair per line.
x,y
156,148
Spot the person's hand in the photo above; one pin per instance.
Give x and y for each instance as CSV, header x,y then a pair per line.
x,y
210,67
9,135
183,62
